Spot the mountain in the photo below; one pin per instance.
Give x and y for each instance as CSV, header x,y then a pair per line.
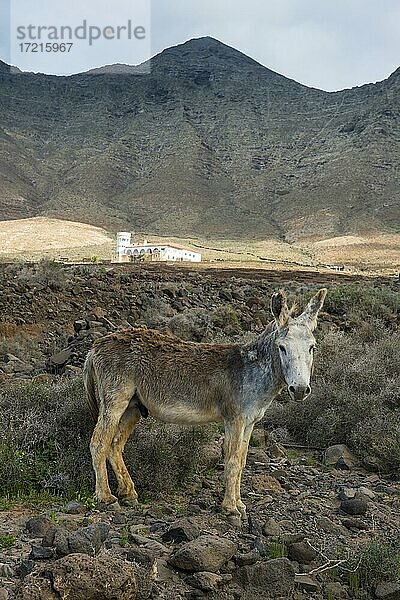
x,y
208,143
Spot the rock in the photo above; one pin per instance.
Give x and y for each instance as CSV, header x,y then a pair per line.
x,y
347,493
366,493
99,312
61,358
155,547
120,519
6,570
225,295
354,523
336,590
339,456
85,540
354,506
41,553
306,583
141,556
275,450
39,526
272,528
24,568
74,507
88,540
17,366
276,577
302,553
57,538
388,591
329,526
248,558
206,581
79,324
263,483
81,577
342,465
206,553
3,594
184,530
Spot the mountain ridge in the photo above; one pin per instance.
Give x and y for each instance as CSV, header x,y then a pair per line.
x,y
208,143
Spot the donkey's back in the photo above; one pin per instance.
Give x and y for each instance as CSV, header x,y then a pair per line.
x,y
176,381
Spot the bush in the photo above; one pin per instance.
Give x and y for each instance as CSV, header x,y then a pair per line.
x,y
163,458
362,302
44,439
374,562
47,273
44,445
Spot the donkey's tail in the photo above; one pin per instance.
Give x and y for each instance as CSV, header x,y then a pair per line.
x,y
90,385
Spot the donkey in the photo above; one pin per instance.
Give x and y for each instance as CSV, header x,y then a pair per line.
x,y
137,372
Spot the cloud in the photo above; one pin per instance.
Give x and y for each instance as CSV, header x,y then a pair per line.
x,y
329,44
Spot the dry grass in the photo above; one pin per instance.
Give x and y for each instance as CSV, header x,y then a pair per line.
x,y
40,237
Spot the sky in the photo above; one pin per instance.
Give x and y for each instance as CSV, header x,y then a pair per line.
x,y
328,44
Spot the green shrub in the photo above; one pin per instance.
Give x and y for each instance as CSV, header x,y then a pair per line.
x,y
7,541
360,302
45,272
44,446
164,457
376,561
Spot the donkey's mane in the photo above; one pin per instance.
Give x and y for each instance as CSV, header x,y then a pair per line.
x,y
263,344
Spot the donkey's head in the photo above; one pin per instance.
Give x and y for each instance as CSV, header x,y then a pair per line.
x,y
295,342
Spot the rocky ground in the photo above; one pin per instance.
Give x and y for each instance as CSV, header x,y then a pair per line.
x,y
309,511
305,521
50,315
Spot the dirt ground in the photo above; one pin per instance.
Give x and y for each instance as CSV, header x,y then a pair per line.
x,y
42,237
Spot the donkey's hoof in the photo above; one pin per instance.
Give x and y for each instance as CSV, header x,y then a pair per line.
x,y
234,519
109,505
129,502
242,509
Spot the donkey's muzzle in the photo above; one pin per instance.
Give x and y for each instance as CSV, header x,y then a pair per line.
x,y
299,392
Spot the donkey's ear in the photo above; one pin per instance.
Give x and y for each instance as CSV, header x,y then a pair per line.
x,y
279,308
312,309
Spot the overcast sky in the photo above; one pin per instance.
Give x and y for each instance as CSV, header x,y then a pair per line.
x,y
328,44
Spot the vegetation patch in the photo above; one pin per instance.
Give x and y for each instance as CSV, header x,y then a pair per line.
x,y
44,447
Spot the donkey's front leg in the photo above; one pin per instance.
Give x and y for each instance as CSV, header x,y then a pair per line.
x,y
234,431
243,456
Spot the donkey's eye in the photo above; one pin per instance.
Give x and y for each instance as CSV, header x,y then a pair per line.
x,y
282,349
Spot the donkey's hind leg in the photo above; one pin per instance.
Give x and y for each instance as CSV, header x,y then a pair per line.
x,y
112,406
126,488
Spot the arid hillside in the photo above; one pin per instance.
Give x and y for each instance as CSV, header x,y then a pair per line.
x,y
43,237
210,144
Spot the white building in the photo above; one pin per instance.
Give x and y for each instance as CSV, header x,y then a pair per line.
x,y
126,251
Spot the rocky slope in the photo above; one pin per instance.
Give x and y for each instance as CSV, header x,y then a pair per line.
x,y
209,143
320,526
307,523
